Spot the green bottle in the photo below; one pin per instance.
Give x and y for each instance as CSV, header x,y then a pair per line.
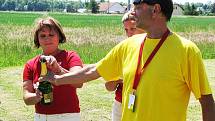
x,y
45,87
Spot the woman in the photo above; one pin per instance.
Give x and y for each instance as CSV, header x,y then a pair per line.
x,y
65,106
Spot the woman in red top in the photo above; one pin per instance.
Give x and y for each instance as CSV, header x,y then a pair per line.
x,y
129,23
65,106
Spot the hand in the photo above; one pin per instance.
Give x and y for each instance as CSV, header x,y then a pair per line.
x,y
38,96
51,78
119,81
52,64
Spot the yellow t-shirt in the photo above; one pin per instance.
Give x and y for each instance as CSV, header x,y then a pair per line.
x,y
164,89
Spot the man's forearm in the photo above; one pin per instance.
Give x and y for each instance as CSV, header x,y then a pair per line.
x,y
208,107
85,74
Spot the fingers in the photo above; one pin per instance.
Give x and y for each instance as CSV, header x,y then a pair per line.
x,y
41,79
38,96
50,60
51,78
52,64
39,93
55,80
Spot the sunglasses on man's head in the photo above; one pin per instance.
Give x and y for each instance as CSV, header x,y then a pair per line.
x,y
150,2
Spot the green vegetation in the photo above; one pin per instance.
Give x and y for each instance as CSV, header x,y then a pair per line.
x,y
67,20
95,101
92,36
193,24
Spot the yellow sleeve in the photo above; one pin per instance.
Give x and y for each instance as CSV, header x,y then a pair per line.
x,y
197,77
110,67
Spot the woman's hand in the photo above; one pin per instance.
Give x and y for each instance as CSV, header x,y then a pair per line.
x,y
31,95
112,85
38,96
52,64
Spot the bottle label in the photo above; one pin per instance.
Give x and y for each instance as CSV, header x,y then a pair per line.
x,y
47,98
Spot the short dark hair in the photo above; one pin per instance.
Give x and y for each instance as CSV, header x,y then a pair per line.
x,y
166,6
50,23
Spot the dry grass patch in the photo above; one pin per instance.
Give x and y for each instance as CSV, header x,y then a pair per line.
x,y
95,101
208,37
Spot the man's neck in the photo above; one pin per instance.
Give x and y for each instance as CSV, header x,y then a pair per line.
x,y
156,31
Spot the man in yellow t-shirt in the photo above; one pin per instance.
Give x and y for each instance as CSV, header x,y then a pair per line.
x,y
164,88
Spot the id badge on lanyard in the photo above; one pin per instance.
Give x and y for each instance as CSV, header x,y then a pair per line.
x,y
131,103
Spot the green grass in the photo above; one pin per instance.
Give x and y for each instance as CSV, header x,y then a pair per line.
x,y
192,24
95,101
207,49
179,24
68,20
92,36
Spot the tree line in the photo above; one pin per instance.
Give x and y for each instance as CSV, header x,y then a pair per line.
x,y
89,5
48,5
199,8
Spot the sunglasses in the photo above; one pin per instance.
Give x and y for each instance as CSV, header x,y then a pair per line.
x,y
149,2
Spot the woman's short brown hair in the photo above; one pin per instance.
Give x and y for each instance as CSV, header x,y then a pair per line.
x,y
52,24
128,17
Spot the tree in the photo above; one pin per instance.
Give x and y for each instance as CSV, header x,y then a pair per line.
x,y
205,7
187,9
21,5
213,8
78,5
39,5
43,6
70,7
1,4
190,10
94,6
193,10
31,5
9,5
59,5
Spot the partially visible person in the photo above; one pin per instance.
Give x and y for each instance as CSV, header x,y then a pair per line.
x,y
48,35
129,24
160,69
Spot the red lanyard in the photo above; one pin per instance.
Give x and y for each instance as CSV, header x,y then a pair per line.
x,y
139,70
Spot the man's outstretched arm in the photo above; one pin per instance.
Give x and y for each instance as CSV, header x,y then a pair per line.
x,y
83,75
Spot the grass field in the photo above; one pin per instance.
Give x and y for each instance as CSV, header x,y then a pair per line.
x,y
95,101
92,36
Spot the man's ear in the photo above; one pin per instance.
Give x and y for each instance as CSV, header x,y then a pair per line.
x,y
156,10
